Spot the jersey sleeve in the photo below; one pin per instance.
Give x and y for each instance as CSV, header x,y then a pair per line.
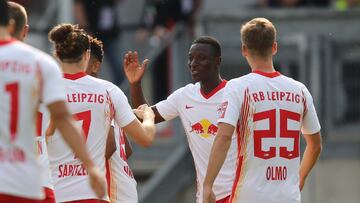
x,y
310,124
168,108
52,81
230,107
123,112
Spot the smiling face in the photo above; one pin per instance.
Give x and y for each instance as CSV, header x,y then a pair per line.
x,y
203,62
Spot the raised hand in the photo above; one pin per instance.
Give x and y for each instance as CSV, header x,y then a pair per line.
x,y
133,70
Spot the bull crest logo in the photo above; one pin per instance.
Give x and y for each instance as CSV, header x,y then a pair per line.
x,y
204,128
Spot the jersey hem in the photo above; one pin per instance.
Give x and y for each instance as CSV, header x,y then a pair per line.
x,y
40,195
78,197
228,121
160,111
220,197
311,132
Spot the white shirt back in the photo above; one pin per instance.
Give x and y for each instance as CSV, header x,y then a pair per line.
x,y
268,110
122,182
199,114
27,76
92,102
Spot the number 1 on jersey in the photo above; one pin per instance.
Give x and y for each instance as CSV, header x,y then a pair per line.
x,y
13,90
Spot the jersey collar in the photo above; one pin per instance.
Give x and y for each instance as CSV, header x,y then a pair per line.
x,y
214,91
269,75
74,76
7,41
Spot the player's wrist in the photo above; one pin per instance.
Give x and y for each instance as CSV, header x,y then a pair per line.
x,y
136,83
207,185
149,117
90,166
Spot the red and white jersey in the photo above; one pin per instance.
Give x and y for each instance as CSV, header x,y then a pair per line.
x,y
199,113
92,102
27,76
268,110
43,118
122,182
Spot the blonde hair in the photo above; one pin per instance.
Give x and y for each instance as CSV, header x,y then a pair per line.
x,y
258,35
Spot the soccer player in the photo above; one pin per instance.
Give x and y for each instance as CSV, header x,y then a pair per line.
x,y
121,180
268,111
27,76
20,27
94,103
196,105
20,30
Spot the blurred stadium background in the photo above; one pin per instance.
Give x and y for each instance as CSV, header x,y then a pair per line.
x,y
319,45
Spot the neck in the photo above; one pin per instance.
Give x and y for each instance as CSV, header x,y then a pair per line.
x,y
261,64
208,86
4,34
95,75
72,68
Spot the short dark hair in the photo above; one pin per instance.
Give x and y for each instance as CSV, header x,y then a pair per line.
x,y
18,13
96,49
214,43
4,10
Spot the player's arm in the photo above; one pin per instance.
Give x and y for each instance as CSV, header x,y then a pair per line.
x,y
143,133
311,155
80,13
134,73
110,144
217,157
311,130
128,148
73,137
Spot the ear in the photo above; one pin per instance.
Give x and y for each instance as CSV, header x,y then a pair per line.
x,y
218,61
244,51
86,55
25,31
274,48
89,67
96,67
85,59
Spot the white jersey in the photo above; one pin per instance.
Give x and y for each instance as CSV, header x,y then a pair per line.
x,y
42,121
122,182
199,114
268,110
27,76
92,102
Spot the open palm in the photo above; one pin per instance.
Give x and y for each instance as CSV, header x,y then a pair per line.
x,y
134,71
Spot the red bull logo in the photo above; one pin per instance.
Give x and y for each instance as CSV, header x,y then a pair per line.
x,y
204,128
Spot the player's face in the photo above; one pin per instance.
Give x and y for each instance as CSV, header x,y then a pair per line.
x,y
202,62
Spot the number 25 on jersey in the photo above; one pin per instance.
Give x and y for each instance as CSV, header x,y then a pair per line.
x,y
259,135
